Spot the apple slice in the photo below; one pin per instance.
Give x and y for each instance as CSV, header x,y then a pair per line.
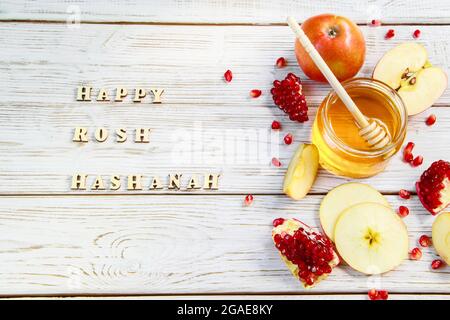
x,y
406,69
343,197
408,56
371,238
429,85
308,255
441,236
302,171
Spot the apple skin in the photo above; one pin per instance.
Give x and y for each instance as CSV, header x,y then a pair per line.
x,y
339,41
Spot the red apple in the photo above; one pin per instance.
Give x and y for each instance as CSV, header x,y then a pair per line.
x,y
340,43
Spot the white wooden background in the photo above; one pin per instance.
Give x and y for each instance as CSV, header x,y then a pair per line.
x,y
57,242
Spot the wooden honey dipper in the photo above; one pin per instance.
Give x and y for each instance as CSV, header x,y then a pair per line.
x,y
371,131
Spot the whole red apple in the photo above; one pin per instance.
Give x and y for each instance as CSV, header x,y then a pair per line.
x,y
340,43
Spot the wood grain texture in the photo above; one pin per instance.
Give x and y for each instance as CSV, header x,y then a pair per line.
x,y
176,244
203,125
217,11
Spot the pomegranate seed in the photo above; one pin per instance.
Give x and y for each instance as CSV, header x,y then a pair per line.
x,y
409,147
281,62
228,75
383,294
276,125
408,157
248,200
287,95
436,264
417,161
276,162
255,93
431,120
277,222
403,211
375,23
416,34
390,34
404,194
288,138
425,241
415,254
373,294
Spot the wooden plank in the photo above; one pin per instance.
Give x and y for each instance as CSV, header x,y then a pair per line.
x,y
362,296
38,111
176,244
237,11
188,61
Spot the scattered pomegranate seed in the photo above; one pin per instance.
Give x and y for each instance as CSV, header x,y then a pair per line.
x,y
436,264
287,95
390,34
415,254
404,194
383,294
416,34
431,120
409,147
408,157
277,222
276,125
417,161
425,241
228,75
373,294
403,211
255,93
276,162
288,138
375,23
248,200
281,62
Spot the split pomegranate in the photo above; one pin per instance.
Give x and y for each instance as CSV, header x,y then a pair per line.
x,y
281,62
228,76
415,254
248,200
433,188
255,93
417,161
431,120
309,255
436,264
287,95
425,241
389,34
404,194
288,138
276,125
403,211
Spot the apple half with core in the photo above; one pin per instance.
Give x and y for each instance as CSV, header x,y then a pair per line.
x,y
301,172
441,235
406,69
343,197
371,238
339,41
308,255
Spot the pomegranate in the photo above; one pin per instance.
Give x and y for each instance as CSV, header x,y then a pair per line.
x,y
309,255
433,188
287,95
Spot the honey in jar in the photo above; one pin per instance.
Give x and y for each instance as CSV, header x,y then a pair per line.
x,y
336,134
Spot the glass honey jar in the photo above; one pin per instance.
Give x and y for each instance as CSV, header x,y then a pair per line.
x,y
335,133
